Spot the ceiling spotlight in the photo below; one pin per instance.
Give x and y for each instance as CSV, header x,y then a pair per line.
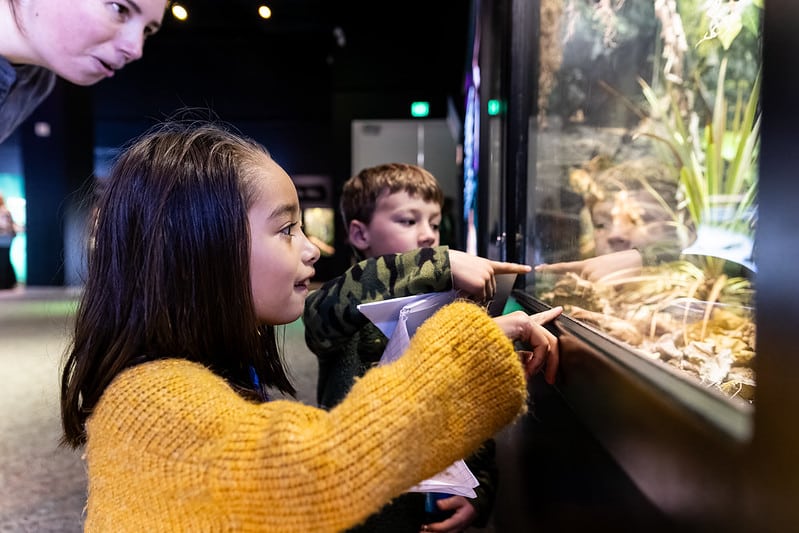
x,y
341,38
264,12
41,129
179,12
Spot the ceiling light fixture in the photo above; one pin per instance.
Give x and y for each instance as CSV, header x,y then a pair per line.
x,y
264,12
179,12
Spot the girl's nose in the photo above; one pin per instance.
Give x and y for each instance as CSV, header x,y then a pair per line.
x,y
311,253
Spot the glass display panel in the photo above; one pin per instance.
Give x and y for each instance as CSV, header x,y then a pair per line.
x,y
645,180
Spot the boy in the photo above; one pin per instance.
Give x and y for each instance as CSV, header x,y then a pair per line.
x,y
392,209
635,218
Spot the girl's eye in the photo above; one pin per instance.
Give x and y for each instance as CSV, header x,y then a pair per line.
x,y
435,227
288,229
407,221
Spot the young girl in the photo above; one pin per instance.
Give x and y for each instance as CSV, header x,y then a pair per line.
x,y
198,254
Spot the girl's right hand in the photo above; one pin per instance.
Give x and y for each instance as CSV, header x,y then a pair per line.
x,y
528,329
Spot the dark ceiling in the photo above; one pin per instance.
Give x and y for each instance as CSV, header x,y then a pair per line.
x,y
287,68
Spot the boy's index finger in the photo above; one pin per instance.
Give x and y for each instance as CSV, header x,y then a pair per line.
x,y
559,268
501,267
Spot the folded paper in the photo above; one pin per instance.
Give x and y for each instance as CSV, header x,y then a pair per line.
x,y
398,319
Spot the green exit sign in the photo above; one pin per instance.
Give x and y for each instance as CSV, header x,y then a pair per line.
x,y
495,107
420,109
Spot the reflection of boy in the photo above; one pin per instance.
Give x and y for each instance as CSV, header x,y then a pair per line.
x,y
388,209
634,219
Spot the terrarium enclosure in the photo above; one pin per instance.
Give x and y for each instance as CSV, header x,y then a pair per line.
x,y
644,203
641,155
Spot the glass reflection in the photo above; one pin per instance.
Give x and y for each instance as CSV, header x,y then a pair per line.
x,y
646,178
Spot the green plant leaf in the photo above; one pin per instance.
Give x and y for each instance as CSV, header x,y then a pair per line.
x,y
729,28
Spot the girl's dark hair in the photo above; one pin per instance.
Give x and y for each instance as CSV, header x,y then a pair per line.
x,y
168,274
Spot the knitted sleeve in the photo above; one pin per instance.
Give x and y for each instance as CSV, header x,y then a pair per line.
x,y
171,447
331,314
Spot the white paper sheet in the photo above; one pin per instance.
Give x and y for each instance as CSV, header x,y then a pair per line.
x,y
408,313
398,319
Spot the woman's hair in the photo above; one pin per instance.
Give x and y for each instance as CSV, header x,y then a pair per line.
x,y
360,192
168,274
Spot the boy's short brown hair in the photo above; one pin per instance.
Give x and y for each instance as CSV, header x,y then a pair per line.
x,y
360,192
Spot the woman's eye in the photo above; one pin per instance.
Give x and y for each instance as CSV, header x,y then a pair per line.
x,y
121,10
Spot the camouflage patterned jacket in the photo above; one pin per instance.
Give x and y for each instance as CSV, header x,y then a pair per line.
x,y
347,344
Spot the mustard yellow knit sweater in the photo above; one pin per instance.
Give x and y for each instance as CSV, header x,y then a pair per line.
x,y
171,447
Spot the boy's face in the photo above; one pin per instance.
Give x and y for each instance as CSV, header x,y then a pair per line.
x,y
401,223
630,219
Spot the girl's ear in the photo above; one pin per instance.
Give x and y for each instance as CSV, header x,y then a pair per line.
x,y
359,235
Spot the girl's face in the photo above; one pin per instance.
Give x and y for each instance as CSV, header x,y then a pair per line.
x,y
281,256
401,222
85,41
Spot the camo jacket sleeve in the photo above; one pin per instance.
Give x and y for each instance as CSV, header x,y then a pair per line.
x,y
331,314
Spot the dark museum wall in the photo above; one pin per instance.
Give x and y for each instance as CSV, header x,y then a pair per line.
x,y
293,82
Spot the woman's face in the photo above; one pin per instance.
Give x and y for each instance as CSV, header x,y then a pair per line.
x,y
84,41
281,256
